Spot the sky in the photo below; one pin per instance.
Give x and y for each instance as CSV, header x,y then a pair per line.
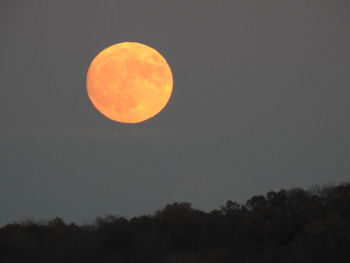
x,y
260,102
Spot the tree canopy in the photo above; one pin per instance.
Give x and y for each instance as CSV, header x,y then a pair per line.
x,y
288,226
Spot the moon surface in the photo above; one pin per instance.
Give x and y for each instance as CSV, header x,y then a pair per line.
x,y
129,82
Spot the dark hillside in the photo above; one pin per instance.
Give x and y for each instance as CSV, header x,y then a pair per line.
x,y
286,226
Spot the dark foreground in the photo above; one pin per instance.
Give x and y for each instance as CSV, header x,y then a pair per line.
x,y
285,226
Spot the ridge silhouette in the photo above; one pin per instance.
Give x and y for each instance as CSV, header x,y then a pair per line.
x,y
288,226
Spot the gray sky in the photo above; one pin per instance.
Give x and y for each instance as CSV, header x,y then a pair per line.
x,y
260,102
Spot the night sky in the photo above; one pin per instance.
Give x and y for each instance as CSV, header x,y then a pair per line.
x,y
260,102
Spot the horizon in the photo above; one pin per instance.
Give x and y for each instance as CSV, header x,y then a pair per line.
x,y
44,221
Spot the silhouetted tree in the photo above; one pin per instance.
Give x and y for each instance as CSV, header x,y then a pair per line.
x,y
286,226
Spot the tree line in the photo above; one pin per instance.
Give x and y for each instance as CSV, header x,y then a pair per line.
x,y
286,226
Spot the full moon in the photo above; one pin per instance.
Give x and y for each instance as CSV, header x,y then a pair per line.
x,y
129,82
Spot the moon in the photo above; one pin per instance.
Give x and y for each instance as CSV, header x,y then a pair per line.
x,y
129,82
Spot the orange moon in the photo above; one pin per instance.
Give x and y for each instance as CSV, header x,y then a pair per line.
x,y
129,82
